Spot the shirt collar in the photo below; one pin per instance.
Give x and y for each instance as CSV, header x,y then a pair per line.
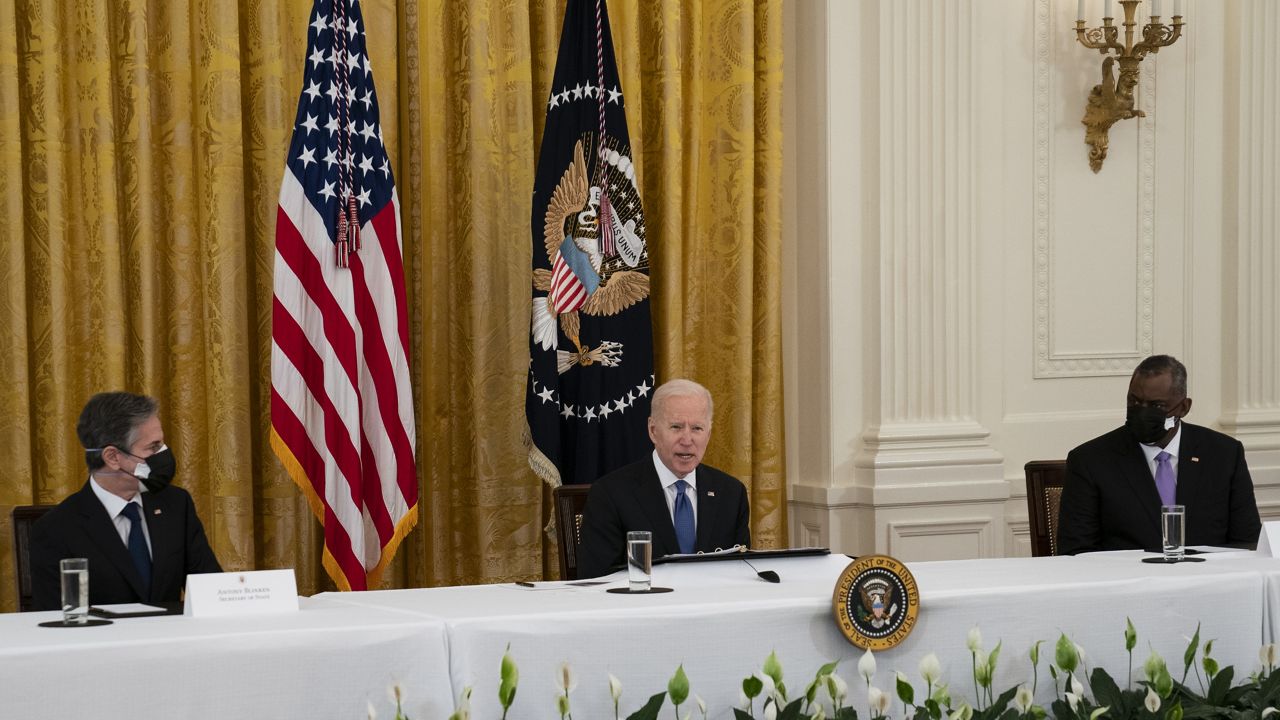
x,y
668,478
1151,451
113,503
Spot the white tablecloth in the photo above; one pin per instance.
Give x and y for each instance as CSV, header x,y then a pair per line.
x,y
321,662
722,621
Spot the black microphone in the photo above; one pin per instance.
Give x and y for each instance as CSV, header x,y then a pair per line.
x,y
766,575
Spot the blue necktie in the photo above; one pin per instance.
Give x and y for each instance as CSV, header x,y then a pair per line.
x,y
685,534
138,546
1166,485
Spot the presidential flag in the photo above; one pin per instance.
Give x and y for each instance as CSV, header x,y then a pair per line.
x,y
341,405
591,344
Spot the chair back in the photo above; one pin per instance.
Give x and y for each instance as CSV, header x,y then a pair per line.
x,y
569,500
24,516
1044,497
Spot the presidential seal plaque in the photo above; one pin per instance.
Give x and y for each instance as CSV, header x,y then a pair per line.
x,y
875,602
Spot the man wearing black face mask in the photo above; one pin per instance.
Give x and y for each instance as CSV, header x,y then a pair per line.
x,y
1116,483
141,537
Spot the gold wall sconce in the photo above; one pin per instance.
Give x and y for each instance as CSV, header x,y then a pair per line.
x,y
1113,99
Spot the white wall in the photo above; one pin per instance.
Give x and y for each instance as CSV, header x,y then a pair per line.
x,y
962,293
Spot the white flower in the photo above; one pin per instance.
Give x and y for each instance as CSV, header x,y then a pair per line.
x,y
878,701
867,665
930,668
964,712
901,677
615,687
820,713
767,684
396,693
974,641
1023,699
1152,701
373,714
1076,687
1080,653
1073,700
1267,655
744,702
770,711
1099,712
1269,710
565,681
702,705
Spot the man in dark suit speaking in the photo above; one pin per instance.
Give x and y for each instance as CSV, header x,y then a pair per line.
x,y
1116,483
689,507
140,545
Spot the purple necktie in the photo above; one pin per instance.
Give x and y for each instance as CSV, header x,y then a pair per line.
x,y
1165,482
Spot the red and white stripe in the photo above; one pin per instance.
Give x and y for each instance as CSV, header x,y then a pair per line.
x,y
341,404
567,292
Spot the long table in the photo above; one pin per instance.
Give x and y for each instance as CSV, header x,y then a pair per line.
x,y
344,649
722,621
324,662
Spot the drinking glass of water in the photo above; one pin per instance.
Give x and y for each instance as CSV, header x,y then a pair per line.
x,y
75,590
639,560
1173,523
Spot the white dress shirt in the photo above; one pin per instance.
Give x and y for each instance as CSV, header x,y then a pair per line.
x,y
1151,451
668,480
115,510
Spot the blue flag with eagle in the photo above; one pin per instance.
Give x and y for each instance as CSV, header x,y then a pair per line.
x,y
591,342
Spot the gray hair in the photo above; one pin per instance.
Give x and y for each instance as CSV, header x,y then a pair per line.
x,y
1161,364
679,387
112,419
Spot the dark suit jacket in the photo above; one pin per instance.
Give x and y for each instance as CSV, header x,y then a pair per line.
x,y
631,498
80,527
1110,501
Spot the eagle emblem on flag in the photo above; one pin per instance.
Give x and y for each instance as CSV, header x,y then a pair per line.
x,y
594,239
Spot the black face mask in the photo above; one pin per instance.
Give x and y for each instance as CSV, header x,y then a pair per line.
x,y
160,468
1146,424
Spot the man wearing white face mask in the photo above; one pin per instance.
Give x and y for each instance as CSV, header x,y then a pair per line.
x,y
1116,483
141,537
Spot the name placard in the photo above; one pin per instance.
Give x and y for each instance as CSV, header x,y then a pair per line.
x,y
1269,539
254,592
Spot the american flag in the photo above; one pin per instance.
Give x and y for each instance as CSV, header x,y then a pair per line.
x,y
341,406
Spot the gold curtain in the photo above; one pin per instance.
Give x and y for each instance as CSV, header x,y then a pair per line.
x,y
141,146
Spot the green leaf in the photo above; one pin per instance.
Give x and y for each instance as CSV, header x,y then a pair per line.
x,y
752,686
1175,710
1106,692
791,711
1210,666
845,713
678,686
1098,713
1219,686
827,669
906,693
1189,655
651,708
1130,635
1163,683
1034,653
738,714
992,658
773,668
1064,654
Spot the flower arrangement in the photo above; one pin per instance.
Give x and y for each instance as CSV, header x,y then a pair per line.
x,y
764,695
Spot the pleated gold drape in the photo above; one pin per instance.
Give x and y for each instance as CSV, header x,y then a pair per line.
x,y
141,147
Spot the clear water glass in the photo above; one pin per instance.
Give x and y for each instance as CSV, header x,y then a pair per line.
x,y
639,560
75,590
1173,527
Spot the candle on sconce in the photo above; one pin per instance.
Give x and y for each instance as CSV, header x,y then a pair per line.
x,y
1107,11
1177,7
1080,10
1155,8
